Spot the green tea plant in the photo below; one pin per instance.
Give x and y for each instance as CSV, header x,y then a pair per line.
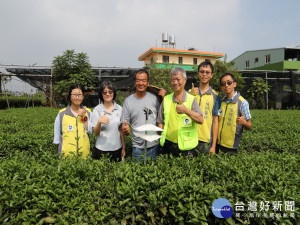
x,y
37,187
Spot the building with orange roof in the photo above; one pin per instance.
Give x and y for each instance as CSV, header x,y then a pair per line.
x,y
169,58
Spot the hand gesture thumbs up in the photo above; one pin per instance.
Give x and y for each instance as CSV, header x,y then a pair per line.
x,y
81,112
125,128
194,90
104,119
181,108
240,120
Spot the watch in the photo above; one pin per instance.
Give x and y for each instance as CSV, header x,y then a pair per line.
x,y
84,118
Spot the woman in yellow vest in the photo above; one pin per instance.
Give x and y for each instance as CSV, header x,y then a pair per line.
x,y
72,126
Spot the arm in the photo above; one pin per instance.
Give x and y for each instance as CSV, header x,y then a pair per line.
x,y
104,119
245,118
97,128
122,136
124,117
215,125
56,130
160,117
248,124
162,93
245,123
197,117
125,128
160,125
82,114
193,114
215,128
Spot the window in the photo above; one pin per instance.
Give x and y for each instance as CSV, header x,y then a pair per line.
x,y
207,60
256,60
179,60
165,59
247,64
268,59
152,60
195,61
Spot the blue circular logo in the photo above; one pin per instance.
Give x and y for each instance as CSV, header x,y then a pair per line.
x,y
221,208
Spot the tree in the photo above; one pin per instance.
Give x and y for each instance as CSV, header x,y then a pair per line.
x,y
160,78
257,92
220,68
68,69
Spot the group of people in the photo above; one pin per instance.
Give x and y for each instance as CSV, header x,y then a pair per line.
x,y
193,122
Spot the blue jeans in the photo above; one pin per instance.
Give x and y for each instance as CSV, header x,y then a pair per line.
x,y
138,153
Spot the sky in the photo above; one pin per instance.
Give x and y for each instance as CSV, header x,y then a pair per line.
x,y
117,32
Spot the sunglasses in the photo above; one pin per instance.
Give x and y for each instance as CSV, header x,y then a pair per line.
x,y
223,84
107,92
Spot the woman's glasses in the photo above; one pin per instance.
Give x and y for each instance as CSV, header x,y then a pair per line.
x,y
77,95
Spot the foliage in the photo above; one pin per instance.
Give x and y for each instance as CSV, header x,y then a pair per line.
x,y
172,191
257,92
160,78
21,101
71,68
4,80
273,130
38,187
120,98
221,67
29,129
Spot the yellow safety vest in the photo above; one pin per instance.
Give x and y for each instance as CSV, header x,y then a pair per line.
x,y
179,128
74,137
230,133
206,102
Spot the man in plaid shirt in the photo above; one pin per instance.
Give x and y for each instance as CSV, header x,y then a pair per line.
x,y
234,115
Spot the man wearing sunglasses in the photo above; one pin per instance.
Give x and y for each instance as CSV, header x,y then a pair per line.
x,y
234,115
209,103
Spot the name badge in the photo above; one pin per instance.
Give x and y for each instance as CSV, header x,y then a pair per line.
x,y
220,112
70,128
187,121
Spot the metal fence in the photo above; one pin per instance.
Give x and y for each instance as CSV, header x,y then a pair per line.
x,y
284,87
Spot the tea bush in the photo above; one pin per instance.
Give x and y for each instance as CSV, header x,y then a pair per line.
x,y
21,102
36,187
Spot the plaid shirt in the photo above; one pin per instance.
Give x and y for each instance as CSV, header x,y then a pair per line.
x,y
244,107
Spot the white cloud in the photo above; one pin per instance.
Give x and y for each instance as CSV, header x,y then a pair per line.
x,y
116,32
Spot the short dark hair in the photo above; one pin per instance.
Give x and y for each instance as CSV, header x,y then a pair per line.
x,y
72,87
205,64
110,86
142,71
227,74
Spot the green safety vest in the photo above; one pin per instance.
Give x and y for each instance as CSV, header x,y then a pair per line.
x,y
187,128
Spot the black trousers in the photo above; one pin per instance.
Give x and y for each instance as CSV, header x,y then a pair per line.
x,y
113,155
220,148
172,148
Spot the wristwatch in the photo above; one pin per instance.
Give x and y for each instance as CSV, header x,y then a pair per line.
x,y
84,118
